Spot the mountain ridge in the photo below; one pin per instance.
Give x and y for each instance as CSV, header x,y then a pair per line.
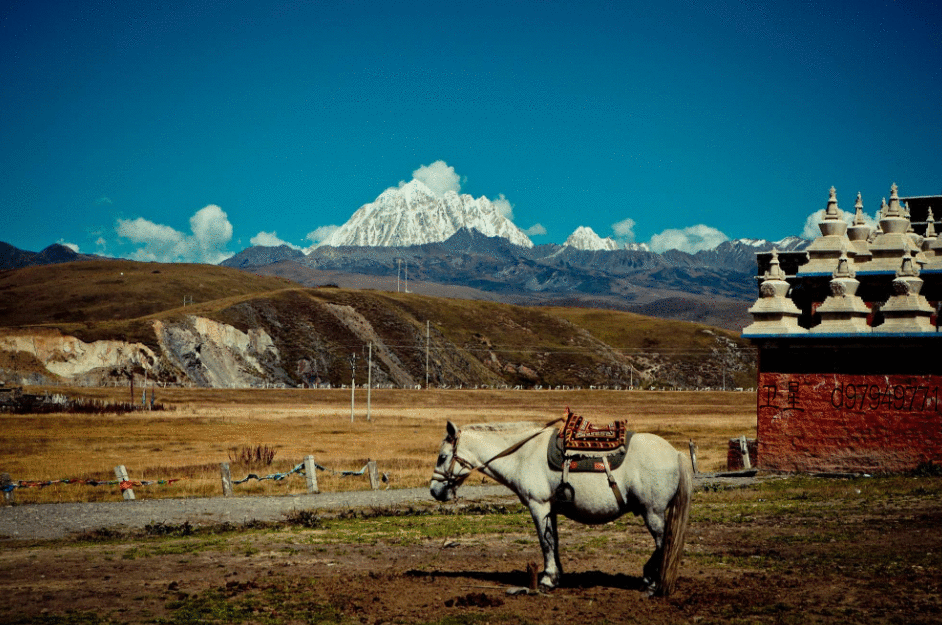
x,y
716,285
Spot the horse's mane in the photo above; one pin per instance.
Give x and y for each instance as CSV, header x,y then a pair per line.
x,y
513,426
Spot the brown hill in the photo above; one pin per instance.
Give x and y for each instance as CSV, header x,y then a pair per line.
x,y
307,335
108,290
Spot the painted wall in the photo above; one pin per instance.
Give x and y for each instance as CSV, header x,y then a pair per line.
x,y
849,422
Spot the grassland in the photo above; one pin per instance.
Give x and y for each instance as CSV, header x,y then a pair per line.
x,y
786,551
202,426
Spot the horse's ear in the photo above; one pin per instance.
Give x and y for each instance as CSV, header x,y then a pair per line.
x,y
451,429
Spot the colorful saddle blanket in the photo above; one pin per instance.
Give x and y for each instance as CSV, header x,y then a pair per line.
x,y
582,445
580,435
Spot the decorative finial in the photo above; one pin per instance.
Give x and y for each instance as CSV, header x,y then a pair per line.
x,y
832,211
844,270
859,216
893,209
774,271
908,268
930,225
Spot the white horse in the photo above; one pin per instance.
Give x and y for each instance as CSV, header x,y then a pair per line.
x,y
655,482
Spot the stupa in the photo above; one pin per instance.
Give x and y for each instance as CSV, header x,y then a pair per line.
x,y
843,311
906,310
826,249
857,234
932,244
893,242
774,312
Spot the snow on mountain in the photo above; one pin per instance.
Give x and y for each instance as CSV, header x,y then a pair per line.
x,y
788,244
413,215
584,238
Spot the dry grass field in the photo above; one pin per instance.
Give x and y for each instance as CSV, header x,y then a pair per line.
x,y
791,550
202,428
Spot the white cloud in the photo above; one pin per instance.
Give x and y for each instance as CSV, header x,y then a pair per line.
x,y
439,177
270,239
320,235
691,239
211,232
624,230
812,231
71,246
101,245
534,230
504,207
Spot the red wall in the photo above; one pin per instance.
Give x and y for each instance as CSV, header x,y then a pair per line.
x,y
848,423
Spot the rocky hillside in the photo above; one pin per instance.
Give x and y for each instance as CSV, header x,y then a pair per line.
x,y
259,331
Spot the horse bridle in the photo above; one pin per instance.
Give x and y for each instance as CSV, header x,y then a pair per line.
x,y
452,481
448,478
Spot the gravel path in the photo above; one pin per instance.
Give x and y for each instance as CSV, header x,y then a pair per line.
x,y
59,520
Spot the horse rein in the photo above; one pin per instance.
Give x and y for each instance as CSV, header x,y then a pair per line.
x,y
453,481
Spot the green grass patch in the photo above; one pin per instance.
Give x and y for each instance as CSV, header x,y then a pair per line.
x,y
422,526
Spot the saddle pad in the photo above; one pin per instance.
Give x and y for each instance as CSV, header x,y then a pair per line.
x,y
583,462
580,435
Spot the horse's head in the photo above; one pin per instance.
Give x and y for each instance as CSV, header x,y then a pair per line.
x,y
444,480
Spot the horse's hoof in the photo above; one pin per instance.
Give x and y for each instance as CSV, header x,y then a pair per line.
x,y
649,586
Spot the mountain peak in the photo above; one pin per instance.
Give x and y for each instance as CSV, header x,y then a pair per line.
x,y
412,214
584,238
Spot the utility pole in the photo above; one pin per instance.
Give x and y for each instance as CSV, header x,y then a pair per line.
x,y
369,381
353,382
426,353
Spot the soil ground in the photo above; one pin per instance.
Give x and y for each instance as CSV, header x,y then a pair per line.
x,y
797,550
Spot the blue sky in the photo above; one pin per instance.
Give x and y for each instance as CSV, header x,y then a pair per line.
x,y
186,130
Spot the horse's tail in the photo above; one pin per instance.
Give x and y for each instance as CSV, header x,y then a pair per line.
x,y
675,528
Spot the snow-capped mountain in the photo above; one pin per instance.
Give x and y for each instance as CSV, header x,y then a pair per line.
x,y
584,238
788,244
413,215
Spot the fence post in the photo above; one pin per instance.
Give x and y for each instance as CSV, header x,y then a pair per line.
x,y
374,474
310,474
226,474
6,483
122,474
744,447
693,456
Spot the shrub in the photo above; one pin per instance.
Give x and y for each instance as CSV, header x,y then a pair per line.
x,y
252,456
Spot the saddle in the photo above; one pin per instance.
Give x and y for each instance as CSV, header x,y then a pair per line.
x,y
581,446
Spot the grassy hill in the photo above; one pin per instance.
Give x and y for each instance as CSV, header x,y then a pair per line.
x,y
107,290
471,342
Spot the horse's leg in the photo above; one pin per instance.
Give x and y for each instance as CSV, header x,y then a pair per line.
x,y
654,521
545,520
554,522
